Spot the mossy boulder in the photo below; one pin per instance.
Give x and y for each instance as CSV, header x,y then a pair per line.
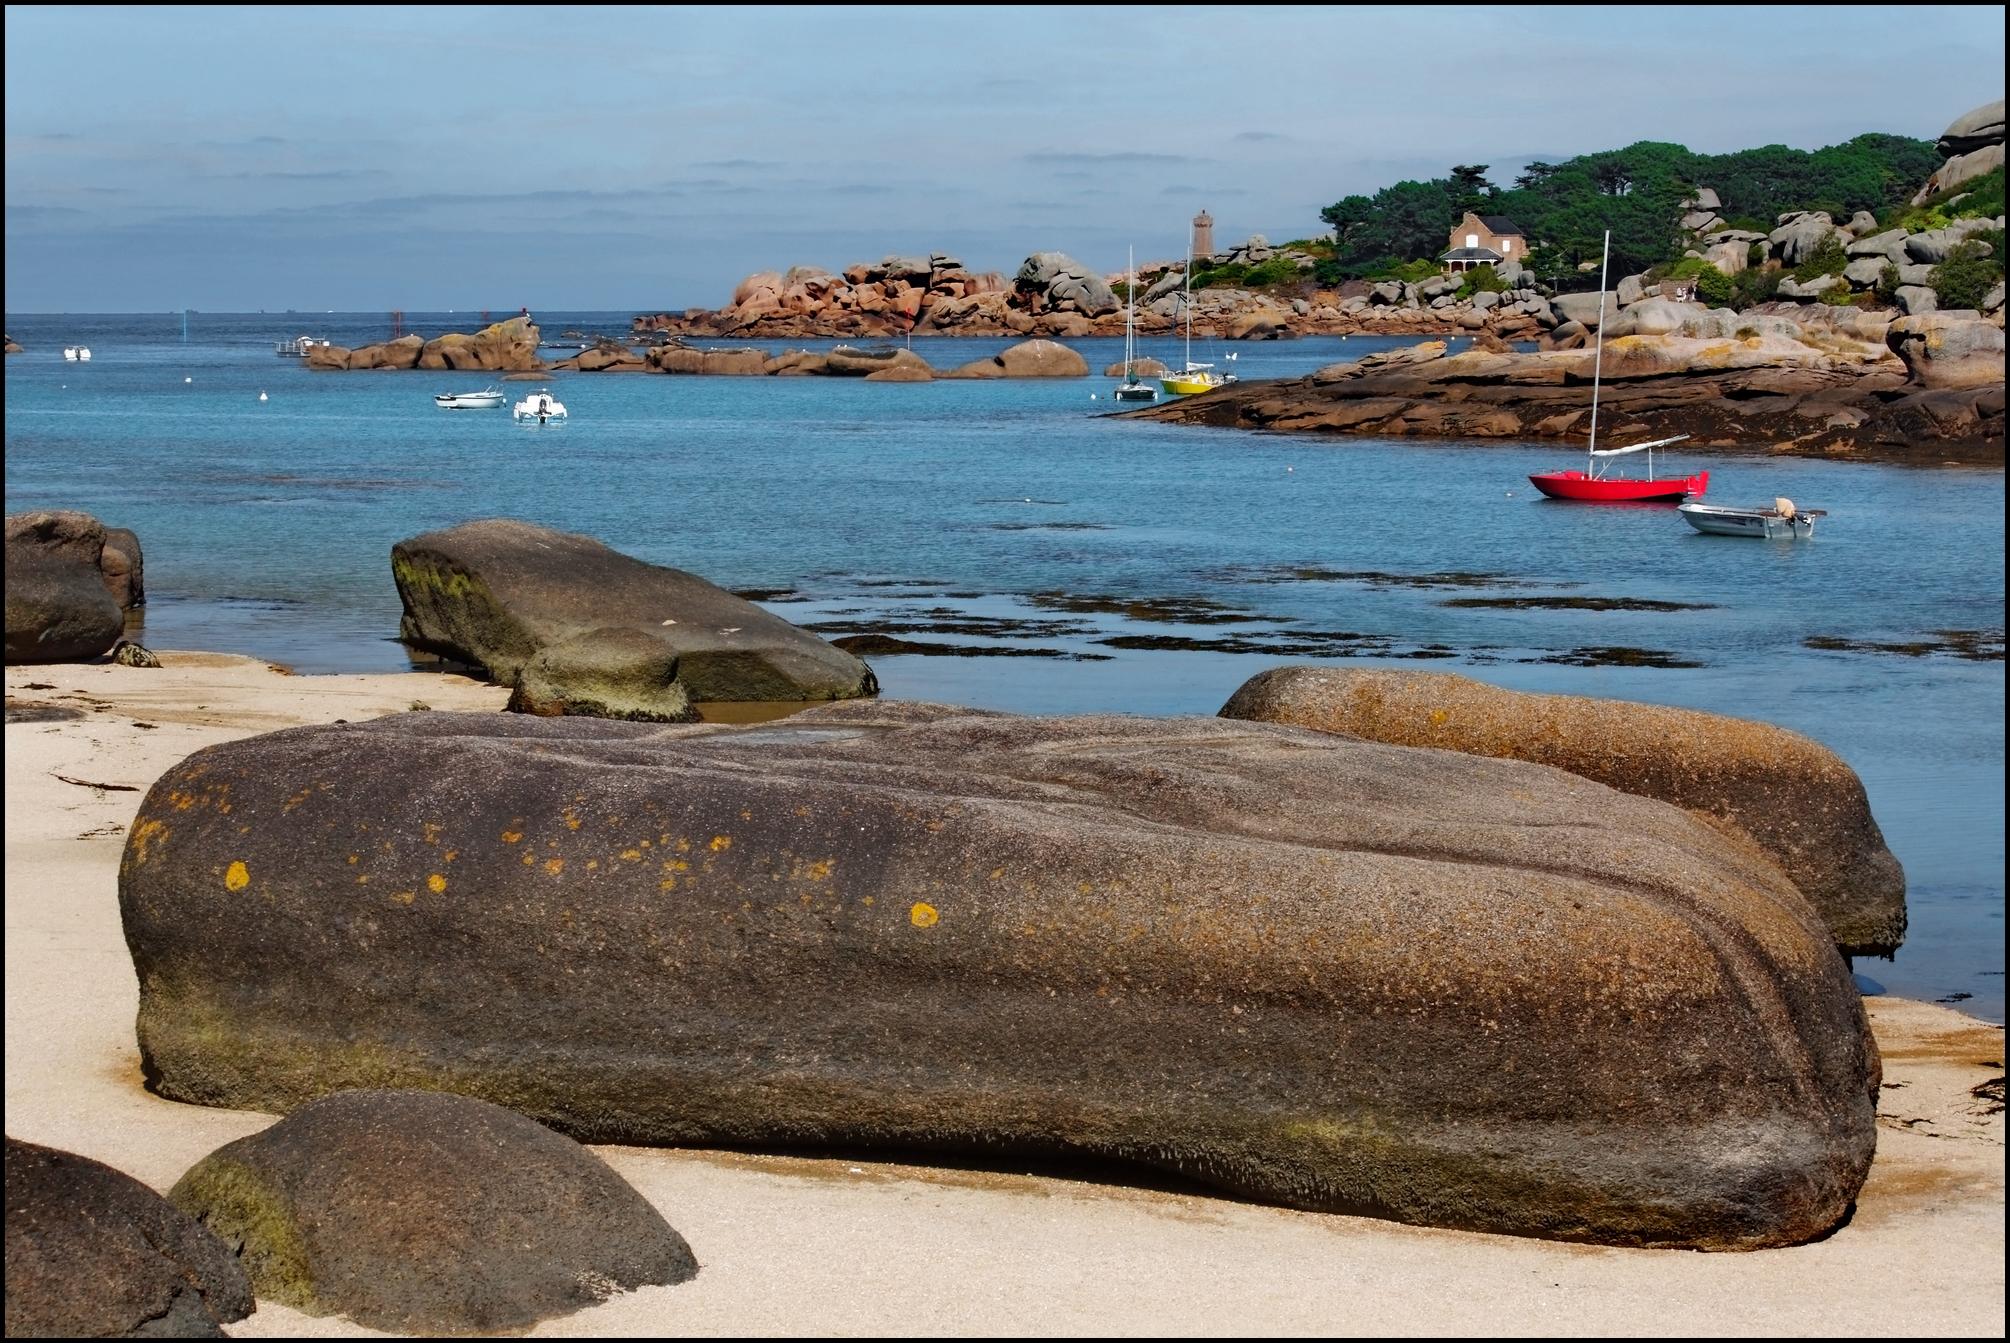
x,y
93,1253
1793,797
424,1213
571,623
1309,969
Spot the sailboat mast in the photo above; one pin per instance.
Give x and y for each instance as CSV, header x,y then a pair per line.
x,y
1598,358
1131,316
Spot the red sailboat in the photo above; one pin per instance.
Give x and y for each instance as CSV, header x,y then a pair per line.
x,y
1593,484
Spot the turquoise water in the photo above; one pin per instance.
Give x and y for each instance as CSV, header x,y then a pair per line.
x,y
943,512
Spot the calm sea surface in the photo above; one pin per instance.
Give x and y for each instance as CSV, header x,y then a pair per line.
x,y
989,514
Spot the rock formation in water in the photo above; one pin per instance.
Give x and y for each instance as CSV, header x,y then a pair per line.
x,y
577,628
60,603
1821,382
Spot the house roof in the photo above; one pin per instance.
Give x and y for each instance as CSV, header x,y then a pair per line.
x,y
1471,254
1501,225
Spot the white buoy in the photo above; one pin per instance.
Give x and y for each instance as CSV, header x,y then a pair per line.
x,y
1092,396
188,379
261,396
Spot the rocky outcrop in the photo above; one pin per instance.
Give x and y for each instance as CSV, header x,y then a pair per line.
x,y
416,1212
1973,145
1793,797
124,568
1809,384
1320,971
1027,359
59,604
1144,368
1053,295
501,347
577,628
1949,349
93,1253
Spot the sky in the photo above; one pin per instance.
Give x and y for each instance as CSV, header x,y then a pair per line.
x,y
424,158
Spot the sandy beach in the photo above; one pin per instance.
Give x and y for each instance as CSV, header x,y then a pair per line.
x,y
837,1244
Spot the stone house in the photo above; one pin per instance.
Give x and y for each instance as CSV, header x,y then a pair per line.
x,y
1484,240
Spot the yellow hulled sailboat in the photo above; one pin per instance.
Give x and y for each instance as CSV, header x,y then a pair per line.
x,y
1193,377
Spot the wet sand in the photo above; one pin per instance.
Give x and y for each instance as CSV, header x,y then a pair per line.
x,y
842,1244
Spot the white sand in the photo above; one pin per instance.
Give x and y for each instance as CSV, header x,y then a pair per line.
x,y
795,1245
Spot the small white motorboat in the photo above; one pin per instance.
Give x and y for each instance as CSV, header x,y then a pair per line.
x,y
1783,521
539,406
298,347
70,353
487,399
84,353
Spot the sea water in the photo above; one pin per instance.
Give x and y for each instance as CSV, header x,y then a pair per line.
x,y
1128,566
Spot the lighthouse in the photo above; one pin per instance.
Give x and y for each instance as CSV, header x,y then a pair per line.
x,y
1203,234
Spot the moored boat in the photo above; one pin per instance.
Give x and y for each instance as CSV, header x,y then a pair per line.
x,y
539,406
487,399
1783,521
1193,377
1593,484
1133,388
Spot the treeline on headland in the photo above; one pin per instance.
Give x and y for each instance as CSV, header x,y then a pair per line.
x,y
1638,192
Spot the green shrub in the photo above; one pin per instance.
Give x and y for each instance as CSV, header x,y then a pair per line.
x,y
1277,270
1755,255
1842,297
1714,287
1329,274
1886,288
1481,279
1828,258
1966,276
1411,272
1755,286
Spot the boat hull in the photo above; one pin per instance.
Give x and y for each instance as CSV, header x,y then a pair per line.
x,y
1755,523
1577,486
468,402
1136,394
1176,385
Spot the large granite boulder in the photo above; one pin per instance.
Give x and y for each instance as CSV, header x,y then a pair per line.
x,y
1326,972
505,595
508,347
59,607
124,568
1027,359
1948,349
1793,797
93,1253
1799,234
1585,309
846,362
1058,281
417,1212
1973,146
746,362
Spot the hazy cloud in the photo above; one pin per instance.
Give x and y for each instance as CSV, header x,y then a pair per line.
x,y
1121,156
1253,136
737,164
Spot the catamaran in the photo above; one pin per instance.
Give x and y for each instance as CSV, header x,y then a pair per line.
x,y
1593,484
1194,377
1133,388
